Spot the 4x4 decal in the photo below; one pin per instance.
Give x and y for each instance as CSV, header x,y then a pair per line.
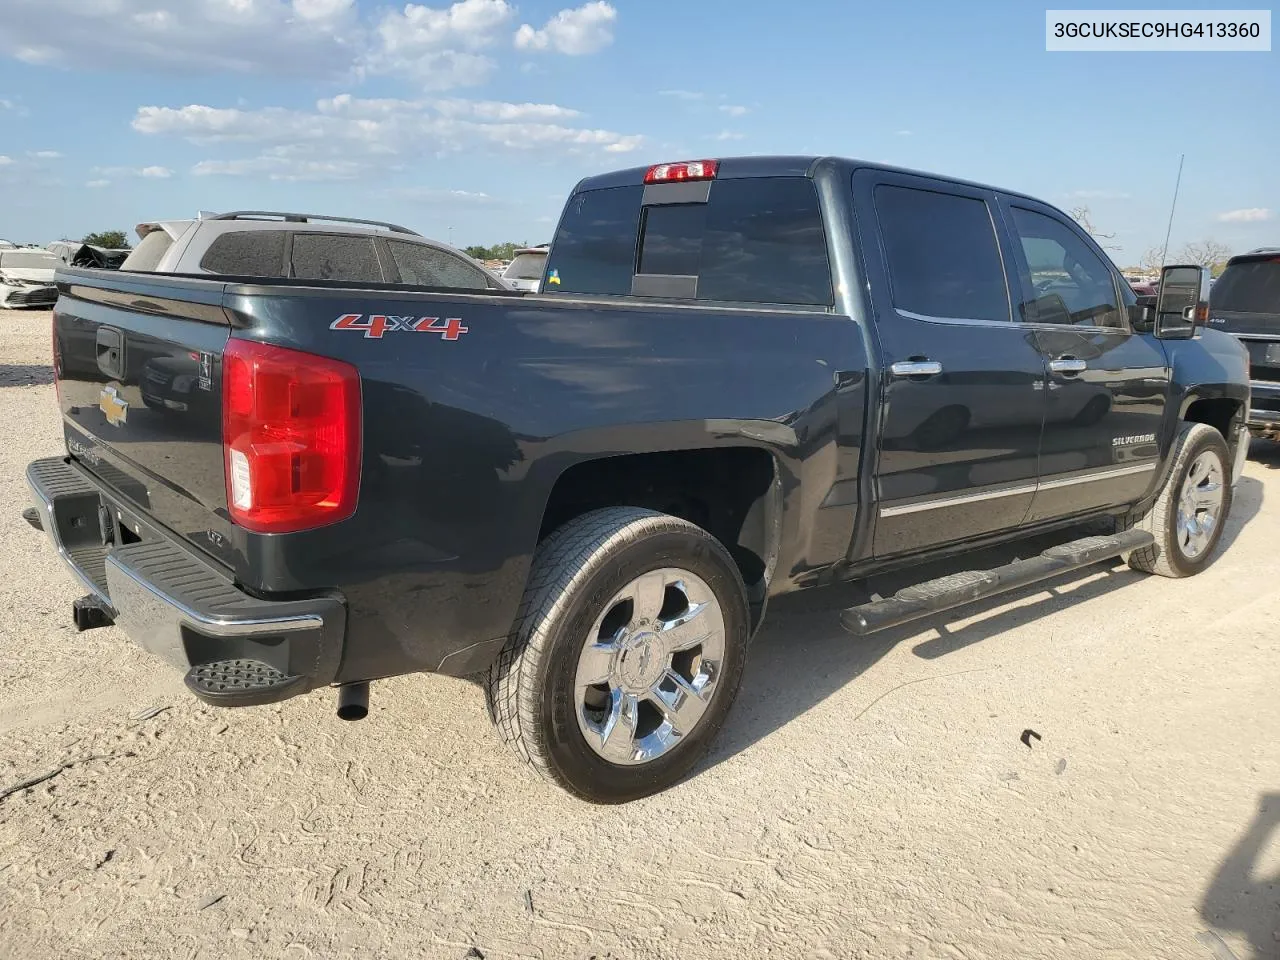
x,y
374,326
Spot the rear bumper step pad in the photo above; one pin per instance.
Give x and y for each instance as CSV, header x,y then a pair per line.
x,y
236,649
958,589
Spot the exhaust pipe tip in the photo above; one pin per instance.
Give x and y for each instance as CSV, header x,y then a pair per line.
x,y
353,701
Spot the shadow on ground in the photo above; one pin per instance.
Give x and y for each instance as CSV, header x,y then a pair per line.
x,y
25,375
1265,452
1238,900
802,655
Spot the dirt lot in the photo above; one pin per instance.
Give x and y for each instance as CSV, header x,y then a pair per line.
x,y
867,799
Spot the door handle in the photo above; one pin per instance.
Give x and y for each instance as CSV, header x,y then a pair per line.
x,y
916,368
1068,365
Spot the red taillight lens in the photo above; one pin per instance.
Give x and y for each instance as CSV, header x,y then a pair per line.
x,y
688,170
290,437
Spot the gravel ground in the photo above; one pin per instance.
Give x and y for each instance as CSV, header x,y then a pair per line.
x,y
867,799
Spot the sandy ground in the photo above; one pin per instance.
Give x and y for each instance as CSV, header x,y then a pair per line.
x,y
867,799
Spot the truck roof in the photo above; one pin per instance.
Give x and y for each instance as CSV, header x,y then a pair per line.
x,y
779,165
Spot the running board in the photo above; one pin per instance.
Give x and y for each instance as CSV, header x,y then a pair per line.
x,y
945,593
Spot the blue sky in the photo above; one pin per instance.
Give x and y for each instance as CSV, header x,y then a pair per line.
x,y
472,121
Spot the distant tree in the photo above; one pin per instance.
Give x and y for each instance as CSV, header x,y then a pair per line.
x,y
113,239
1207,253
1082,216
1152,260
499,251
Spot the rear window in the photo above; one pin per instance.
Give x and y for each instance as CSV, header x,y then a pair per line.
x,y
149,252
1252,286
755,240
246,253
527,266
328,256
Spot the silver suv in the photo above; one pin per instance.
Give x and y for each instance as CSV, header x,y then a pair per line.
x,y
270,244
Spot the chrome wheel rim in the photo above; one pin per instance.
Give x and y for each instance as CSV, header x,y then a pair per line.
x,y
1200,505
650,666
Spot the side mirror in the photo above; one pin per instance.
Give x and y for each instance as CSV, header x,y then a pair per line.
x,y
1182,303
1142,315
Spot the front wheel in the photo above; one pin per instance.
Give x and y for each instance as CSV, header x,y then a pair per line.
x,y
626,655
1187,516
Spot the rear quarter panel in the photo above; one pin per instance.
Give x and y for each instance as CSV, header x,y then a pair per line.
x,y
464,440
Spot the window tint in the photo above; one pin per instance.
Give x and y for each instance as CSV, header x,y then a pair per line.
x,y
330,256
427,266
595,248
1252,286
942,253
757,240
149,251
1072,284
246,253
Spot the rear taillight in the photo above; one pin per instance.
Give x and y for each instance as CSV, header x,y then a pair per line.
x,y
290,437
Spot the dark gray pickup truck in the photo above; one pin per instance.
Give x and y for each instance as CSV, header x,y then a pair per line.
x,y
742,378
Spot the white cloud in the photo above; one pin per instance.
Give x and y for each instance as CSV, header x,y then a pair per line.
x,y
45,154
292,37
585,29
346,137
902,133
152,173
437,196
98,183
683,94
276,167
733,110
1247,215
728,135
436,47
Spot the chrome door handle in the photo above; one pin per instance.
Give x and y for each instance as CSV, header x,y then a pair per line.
x,y
1068,365
916,368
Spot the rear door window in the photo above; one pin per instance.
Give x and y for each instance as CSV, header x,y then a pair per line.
x,y
425,266
246,253
943,258
1250,286
755,240
329,256
149,252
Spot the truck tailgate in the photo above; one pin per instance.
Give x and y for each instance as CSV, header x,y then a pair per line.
x,y
137,362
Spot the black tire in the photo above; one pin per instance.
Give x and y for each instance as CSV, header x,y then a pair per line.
x,y
575,573
1165,557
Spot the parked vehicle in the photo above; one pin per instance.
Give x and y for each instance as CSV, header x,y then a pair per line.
x,y
744,378
525,271
26,278
271,244
88,255
1245,302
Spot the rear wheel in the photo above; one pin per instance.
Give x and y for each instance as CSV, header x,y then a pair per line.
x,y
1187,517
626,656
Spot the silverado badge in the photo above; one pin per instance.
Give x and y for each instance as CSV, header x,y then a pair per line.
x,y
114,407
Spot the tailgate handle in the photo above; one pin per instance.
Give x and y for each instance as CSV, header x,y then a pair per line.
x,y
111,352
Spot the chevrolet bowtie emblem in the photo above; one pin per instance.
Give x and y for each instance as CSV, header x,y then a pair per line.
x,y
114,407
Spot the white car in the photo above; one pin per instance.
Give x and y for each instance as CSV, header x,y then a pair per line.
x,y
263,243
525,271
26,278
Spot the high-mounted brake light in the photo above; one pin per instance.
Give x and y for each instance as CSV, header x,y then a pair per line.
x,y
687,170
290,437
